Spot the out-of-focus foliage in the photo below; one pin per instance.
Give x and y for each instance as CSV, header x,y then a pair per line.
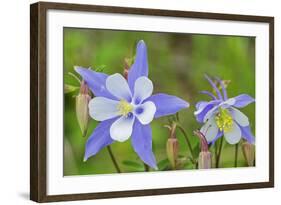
x,y
177,64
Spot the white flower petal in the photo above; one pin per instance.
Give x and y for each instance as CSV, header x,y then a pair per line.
x,y
117,85
230,101
210,129
211,113
122,128
225,104
201,107
234,135
143,89
145,112
101,108
240,117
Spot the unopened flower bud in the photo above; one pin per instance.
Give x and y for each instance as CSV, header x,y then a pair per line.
x,y
172,151
172,147
249,153
127,65
205,157
205,160
82,110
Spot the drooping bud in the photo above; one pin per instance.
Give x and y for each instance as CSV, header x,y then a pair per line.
x,y
225,83
205,160
221,84
205,157
172,151
172,147
82,110
127,65
249,153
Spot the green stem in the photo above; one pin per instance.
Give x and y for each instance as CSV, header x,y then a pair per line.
x,y
74,76
146,167
178,117
219,153
236,155
216,151
113,159
187,142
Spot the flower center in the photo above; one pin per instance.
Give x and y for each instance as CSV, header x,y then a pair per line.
x,y
224,120
124,107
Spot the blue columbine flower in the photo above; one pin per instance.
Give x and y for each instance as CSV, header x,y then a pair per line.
x,y
221,116
125,108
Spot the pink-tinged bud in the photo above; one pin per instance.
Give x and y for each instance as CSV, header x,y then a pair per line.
x,y
127,65
172,151
205,157
205,160
172,147
82,110
249,153
125,73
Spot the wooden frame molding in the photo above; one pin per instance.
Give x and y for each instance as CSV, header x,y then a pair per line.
x,y
38,99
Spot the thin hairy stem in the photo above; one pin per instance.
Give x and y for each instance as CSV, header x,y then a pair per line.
x,y
236,155
113,159
219,153
187,142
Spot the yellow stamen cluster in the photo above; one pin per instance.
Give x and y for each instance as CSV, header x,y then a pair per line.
x,y
224,120
124,107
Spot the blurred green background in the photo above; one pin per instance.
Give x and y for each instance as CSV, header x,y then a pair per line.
x,y
177,64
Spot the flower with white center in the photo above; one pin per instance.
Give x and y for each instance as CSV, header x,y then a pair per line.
x,y
125,108
221,116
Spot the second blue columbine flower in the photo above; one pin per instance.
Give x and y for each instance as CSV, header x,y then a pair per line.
x,y
125,108
221,116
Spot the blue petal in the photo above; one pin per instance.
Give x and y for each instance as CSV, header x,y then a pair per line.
x,y
214,86
209,93
98,139
140,66
95,81
220,133
201,104
223,88
243,100
142,143
203,109
247,134
167,104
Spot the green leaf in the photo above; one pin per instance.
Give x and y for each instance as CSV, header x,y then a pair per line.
x,y
70,88
100,68
132,164
196,149
182,161
163,164
188,165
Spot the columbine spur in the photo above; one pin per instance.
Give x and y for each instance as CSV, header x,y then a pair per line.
x,y
221,116
126,107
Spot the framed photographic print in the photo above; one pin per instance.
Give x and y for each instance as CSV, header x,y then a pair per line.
x,y
133,102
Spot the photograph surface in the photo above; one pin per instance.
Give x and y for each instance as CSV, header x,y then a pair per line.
x,y
137,101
